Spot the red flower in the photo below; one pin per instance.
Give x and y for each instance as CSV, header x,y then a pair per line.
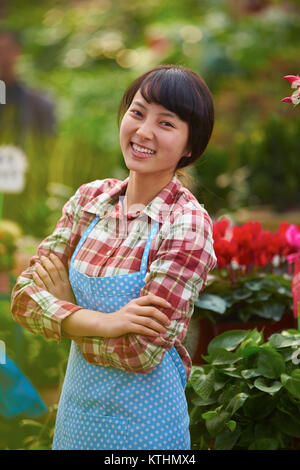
x,y
283,246
220,228
245,238
249,244
223,247
224,251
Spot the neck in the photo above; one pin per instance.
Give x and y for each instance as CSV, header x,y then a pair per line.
x,y
141,189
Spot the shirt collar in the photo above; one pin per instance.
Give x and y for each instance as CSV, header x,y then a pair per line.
x,y
110,203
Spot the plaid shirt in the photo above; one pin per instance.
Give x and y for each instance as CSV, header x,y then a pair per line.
x,y
180,258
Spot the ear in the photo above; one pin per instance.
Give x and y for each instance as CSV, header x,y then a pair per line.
x,y
188,154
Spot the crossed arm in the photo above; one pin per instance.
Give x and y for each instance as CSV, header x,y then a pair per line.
x,y
138,316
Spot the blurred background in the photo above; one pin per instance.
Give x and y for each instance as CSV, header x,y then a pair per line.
x,y
66,64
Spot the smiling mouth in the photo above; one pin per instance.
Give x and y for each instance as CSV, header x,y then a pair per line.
x,y
141,150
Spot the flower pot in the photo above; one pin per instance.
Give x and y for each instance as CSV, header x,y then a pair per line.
x,y
207,331
269,326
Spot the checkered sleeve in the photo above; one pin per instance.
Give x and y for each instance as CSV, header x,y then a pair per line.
x,y
178,273
32,307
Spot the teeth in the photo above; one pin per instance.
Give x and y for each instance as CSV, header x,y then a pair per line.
x,y
142,149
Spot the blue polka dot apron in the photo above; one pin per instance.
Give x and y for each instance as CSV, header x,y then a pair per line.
x,y
109,408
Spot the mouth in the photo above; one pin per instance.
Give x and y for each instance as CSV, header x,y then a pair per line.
x,y
140,151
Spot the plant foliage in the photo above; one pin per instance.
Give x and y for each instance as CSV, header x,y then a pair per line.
x,y
247,395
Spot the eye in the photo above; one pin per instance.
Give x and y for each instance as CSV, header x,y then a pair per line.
x,y
167,124
136,112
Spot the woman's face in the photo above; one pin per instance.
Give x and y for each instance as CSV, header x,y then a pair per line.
x,y
152,138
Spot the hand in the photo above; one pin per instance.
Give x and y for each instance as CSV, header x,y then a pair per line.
x,y
139,316
52,276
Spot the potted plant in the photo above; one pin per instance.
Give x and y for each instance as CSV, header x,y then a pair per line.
x,y
251,284
247,394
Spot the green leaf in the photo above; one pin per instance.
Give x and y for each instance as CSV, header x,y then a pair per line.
x,y
231,425
31,422
282,341
236,402
253,285
219,381
241,294
271,283
198,401
259,297
209,414
212,302
228,340
231,372
221,356
249,373
259,406
217,422
287,424
264,385
291,332
227,439
249,350
270,363
202,383
269,310
292,382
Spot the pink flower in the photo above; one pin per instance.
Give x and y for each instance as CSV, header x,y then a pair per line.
x,y
293,79
293,237
295,97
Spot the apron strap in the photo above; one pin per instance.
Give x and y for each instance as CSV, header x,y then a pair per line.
x,y
179,365
153,232
84,236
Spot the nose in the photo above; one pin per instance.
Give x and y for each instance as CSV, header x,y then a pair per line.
x,y
145,130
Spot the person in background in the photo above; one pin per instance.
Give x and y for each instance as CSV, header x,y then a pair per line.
x,y
26,110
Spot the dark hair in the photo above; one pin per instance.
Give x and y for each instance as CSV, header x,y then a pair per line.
x,y
183,92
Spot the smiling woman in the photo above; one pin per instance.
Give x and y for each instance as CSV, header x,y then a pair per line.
x,y
168,118
125,297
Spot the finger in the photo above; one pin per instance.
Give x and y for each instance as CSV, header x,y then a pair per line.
x,y
143,330
51,269
44,276
149,323
38,281
153,299
152,312
61,268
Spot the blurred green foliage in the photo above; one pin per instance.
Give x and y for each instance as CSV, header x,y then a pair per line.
x,y
85,53
27,349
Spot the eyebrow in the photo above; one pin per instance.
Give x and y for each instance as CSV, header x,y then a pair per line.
x,y
173,115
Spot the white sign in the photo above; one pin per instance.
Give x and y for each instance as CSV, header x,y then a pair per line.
x,y
2,353
2,92
13,164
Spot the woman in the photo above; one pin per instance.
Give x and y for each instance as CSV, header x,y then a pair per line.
x,y
139,249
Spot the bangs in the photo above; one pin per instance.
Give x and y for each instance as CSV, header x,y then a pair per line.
x,y
171,89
